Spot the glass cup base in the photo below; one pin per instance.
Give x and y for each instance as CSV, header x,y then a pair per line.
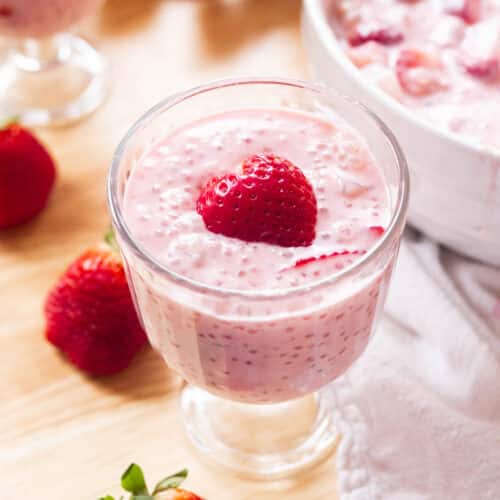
x,y
52,82
260,441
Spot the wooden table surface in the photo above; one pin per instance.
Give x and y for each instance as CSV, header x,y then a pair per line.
x,y
64,436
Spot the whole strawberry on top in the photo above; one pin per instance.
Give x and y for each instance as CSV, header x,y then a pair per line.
x,y
271,201
90,314
167,489
27,175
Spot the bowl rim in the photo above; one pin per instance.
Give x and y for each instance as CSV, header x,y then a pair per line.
x,y
314,10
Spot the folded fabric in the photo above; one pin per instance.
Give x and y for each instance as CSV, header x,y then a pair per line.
x,y
420,412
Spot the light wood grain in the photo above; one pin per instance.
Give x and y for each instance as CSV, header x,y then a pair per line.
x,y
62,435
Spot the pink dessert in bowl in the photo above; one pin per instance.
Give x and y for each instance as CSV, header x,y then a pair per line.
x,y
259,228
441,58
411,62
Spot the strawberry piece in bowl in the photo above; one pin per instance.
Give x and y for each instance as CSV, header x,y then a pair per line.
x,y
468,10
420,73
374,32
485,69
271,201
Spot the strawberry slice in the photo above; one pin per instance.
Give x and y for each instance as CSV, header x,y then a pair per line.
x,y
377,230
419,73
372,32
271,201
308,260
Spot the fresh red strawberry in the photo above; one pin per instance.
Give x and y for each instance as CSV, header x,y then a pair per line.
x,y
178,494
27,174
134,482
368,32
419,73
90,314
271,201
468,10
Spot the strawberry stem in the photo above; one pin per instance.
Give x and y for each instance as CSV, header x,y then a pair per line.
x,y
110,239
8,121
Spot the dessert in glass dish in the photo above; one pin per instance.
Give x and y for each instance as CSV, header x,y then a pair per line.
x,y
259,221
48,76
439,58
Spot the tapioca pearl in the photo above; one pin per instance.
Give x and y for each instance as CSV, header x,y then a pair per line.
x,y
149,162
217,145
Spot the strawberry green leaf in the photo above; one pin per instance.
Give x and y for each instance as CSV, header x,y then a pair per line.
x,y
133,480
110,239
173,481
7,121
141,497
107,497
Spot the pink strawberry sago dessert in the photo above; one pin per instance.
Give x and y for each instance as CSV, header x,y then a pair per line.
x,y
258,201
440,58
41,18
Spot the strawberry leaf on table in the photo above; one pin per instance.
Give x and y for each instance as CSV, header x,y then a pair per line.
x,y
133,481
173,481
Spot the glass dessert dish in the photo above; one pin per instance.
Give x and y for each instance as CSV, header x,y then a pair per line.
x,y
48,76
257,357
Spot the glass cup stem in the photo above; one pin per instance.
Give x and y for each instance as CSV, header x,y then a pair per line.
x,y
260,441
31,54
53,80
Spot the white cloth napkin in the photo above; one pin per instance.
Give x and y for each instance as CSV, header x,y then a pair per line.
x,y
420,411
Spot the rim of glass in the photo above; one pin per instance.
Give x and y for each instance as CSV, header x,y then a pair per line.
x,y
397,219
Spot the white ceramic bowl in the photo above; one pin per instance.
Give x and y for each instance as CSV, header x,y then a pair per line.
x,y
455,183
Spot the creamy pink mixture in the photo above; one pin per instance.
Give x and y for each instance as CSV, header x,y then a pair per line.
x,y
440,58
39,18
245,349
